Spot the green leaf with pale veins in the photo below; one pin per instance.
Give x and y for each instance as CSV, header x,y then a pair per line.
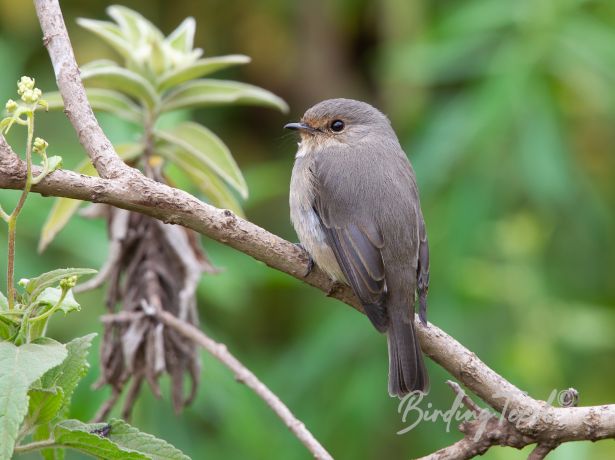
x,y
51,296
134,25
120,79
110,33
104,100
200,68
208,92
116,440
21,366
130,437
44,405
42,433
84,438
62,210
182,38
37,285
72,370
216,191
207,149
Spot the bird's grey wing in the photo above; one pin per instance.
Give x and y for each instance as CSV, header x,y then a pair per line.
x,y
423,271
361,263
357,250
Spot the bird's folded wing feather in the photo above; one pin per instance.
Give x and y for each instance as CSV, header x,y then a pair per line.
x,y
357,250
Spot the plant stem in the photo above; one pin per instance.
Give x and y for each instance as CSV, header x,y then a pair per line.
x,y
36,446
12,221
52,309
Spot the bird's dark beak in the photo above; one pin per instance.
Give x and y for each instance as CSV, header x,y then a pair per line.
x,y
300,127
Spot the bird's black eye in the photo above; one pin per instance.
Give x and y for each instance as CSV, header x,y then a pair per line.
x,y
337,125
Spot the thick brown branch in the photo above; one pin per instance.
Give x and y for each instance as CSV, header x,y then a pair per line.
x,y
77,107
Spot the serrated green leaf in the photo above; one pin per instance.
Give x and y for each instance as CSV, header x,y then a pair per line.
x,y
110,33
208,92
123,80
68,375
44,405
214,189
51,296
36,285
207,149
130,437
199,69
82,437
21,366
42,433
104,100
182,38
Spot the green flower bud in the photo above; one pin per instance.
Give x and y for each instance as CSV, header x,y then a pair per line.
x,y
10,106
31,96
40,145
68,283
25,84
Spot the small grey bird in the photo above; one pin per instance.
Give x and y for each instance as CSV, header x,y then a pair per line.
x,y
355,206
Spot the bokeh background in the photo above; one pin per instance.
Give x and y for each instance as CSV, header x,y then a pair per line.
x,y
507,111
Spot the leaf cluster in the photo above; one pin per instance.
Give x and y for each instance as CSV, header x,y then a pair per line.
x,y
158,75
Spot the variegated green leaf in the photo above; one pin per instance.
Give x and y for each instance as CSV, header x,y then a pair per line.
x,y
129,151
134,26
216,191
105,100
208,149
200,68
182,38
62,210
206,92
123,80
110,33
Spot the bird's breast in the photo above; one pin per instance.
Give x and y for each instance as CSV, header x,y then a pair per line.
x,y
307,223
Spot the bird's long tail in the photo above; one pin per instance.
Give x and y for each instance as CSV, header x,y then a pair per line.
x,y
407,371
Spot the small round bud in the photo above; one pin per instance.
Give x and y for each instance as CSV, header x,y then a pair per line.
x,y
23,282
10,106
68,283
40,145
31,96
24,84
27,96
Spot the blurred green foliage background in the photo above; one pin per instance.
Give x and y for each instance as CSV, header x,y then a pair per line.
x,y
507,111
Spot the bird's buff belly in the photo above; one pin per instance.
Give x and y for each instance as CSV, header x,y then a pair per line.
x,y
313,239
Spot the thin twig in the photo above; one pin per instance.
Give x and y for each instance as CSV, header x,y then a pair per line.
x,y
467,401
245,376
